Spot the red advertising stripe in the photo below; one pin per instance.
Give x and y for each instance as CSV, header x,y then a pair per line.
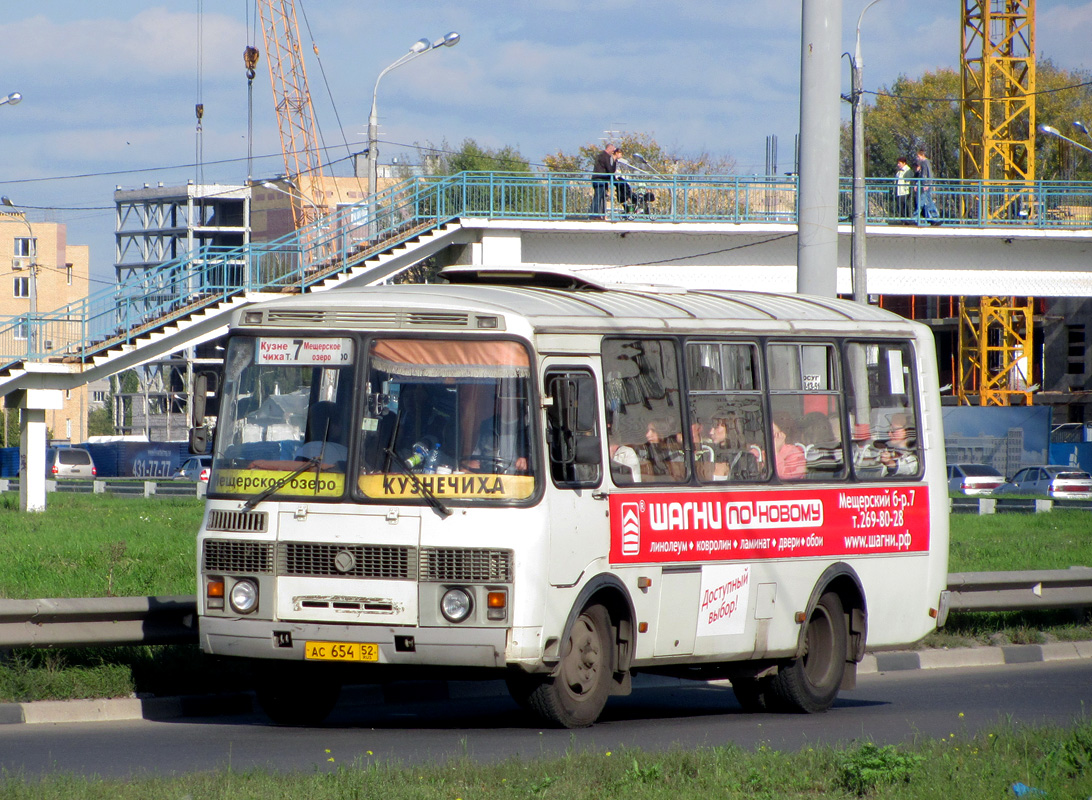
x,y
697,526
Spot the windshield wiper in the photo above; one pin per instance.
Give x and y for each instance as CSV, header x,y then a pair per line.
x,y
314,461
418,484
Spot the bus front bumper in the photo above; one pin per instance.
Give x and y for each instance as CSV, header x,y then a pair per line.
x,y
441,646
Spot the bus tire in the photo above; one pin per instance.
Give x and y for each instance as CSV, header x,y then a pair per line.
x,y
752,694
574,696
296,697
809,684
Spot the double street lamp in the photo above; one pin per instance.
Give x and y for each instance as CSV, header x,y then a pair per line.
x,y
420,47
1055,132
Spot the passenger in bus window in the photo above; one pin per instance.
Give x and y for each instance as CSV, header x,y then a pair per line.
x,y
501,446
821,445
662,454
625,465
788,458
899,456
866,457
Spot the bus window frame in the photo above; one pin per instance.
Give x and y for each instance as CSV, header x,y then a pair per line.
x,y
552,372
535,429
354,393
912,393
680,386
759,392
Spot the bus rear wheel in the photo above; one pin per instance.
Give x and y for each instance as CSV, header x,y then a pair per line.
x,y
574,696
810,684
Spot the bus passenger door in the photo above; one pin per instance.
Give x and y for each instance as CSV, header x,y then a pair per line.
x,y
580,531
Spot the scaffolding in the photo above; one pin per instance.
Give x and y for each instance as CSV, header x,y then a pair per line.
x,y
996,347
997,146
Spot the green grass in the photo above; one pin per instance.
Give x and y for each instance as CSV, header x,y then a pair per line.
x,y
98,546
1056,762
1008,542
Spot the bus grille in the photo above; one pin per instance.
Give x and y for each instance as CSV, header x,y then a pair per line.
x,y
307,559
255,558
238,521
465,565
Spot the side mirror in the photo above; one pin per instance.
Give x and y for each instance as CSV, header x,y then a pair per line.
x,y
199,431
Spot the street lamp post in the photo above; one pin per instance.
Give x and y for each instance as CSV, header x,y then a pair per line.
x,y
1055,132
33,282
297,195
860,196
11,99
419,47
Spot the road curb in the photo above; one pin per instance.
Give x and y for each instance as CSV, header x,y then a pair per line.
x,y
402,692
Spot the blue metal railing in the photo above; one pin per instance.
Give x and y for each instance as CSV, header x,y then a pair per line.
x,y
341,240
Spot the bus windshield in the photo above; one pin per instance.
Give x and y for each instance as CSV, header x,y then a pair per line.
x,y
454,411
284,406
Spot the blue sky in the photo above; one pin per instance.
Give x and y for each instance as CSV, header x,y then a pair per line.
x,y
109,88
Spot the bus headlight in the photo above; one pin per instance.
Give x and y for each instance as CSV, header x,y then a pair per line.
x,y
244,596
455,605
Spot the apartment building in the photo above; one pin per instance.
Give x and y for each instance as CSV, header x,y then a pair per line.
x,y
39,266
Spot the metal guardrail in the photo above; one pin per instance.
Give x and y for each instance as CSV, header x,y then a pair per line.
x,y
102,621
183,286
1021,591
128,487
1014,505
98,621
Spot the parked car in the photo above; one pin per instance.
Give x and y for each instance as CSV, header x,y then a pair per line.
x,y
1053,481
194,468
69,462
973,478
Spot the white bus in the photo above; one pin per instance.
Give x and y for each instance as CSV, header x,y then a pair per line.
x,y
525,474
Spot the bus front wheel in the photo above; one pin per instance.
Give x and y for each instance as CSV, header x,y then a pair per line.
x,y
574,696
809,684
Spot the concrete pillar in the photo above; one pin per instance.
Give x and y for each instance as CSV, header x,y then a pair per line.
x,y
32,405
499,248
817,241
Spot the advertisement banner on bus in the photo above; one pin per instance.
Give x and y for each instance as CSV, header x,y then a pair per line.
x,y
666,527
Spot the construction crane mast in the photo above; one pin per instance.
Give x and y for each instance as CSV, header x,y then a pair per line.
x,y
997,146
295,113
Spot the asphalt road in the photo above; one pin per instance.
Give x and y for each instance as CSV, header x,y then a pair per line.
x,y
885,708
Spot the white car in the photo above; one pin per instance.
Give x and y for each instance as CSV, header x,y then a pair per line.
x,y
1053,481
195,468
973,478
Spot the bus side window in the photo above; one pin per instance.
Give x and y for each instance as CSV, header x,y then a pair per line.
x,y
806,411
642,396
882,412
572,429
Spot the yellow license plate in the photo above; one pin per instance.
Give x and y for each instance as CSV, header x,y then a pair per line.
x,y
341,651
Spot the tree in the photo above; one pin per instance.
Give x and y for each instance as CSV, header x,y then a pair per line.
x,y
659,158
470,157
925,112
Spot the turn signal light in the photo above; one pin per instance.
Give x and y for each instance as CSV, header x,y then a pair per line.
x,y
496,605
214,593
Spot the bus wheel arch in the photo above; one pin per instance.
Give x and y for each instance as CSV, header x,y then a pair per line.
x,y
593,655
832,640
842,579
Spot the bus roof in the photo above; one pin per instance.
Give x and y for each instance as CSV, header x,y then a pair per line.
x,y
555,299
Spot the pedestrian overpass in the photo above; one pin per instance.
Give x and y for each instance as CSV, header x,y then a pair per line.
x,y
708,231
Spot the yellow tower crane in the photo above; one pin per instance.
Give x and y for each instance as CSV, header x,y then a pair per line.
x,y
997,146
295,113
